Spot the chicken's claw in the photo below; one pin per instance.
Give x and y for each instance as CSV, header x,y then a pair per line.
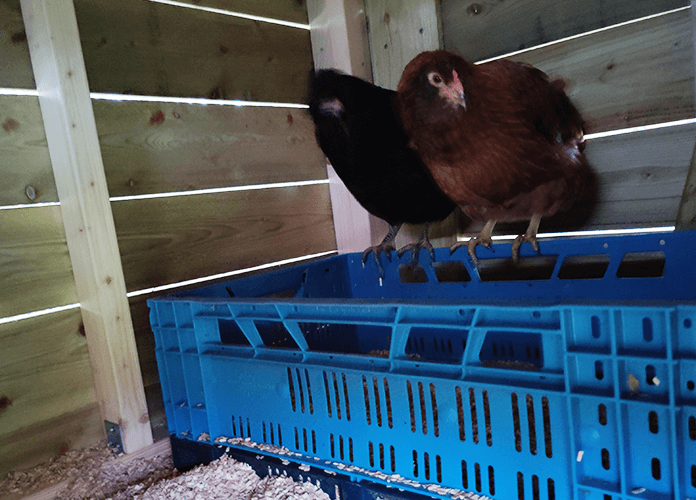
x,y
387,248
423,243
529,236
518,243
474,242
417,247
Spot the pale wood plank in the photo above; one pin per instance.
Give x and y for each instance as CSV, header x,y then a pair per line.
x,y
47,379
24,158
285,10
339,40
488,28
32,445
160,147
625,77
35,268
399,31
15,64
168,240
686,217
72,140
139,47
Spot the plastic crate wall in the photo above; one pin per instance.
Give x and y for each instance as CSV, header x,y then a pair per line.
x,y
551,393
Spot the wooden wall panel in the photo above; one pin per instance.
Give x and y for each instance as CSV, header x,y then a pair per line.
x,y
15,64
46,377
399,31
285,10
488,28
630,76
139,47
161,147
35,269
167,240
24,159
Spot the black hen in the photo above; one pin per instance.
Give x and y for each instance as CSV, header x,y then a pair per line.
x,y
358,129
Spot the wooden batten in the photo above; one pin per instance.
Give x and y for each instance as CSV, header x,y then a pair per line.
x,y
71,133
686,218
339,40
490,28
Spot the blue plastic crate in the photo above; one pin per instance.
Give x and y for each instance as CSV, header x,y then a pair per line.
x,y
569,376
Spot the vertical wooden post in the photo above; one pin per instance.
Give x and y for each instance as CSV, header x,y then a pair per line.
x,y
339,40
686,217
61,81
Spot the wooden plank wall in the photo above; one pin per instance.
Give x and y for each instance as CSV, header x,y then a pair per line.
x,y
145,48
640,73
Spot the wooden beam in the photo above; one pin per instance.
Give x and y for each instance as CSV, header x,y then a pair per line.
x,y
59,71
686,217
339,40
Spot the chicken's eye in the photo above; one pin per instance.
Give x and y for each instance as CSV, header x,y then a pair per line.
x,y
435,79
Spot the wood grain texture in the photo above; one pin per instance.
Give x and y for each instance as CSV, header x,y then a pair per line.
x,y
15,64
487,28
161,147
35,269
399,31
47,379
24,158
34,444
71,132
139,47
167,240
285,10
625,77
340,40
640,178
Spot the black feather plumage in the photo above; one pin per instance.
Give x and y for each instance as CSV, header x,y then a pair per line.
x,y
358,129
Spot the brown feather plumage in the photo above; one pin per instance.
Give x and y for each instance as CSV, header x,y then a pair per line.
x,y
513,152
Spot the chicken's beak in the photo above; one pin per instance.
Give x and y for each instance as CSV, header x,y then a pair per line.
x,y
455,91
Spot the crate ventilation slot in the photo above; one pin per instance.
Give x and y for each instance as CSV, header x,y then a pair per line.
x,y
441,345
231,334
422,422
274,334
577,267
298,388
642,265
527,269
512,350
304,440
412,273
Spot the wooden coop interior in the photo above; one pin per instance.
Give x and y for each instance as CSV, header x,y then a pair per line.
x,y
106,201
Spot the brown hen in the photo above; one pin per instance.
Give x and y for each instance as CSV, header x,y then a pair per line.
x,y
501,140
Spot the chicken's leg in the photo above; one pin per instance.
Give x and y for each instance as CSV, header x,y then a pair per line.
x,y
529,236
484,238
386,246
423,243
